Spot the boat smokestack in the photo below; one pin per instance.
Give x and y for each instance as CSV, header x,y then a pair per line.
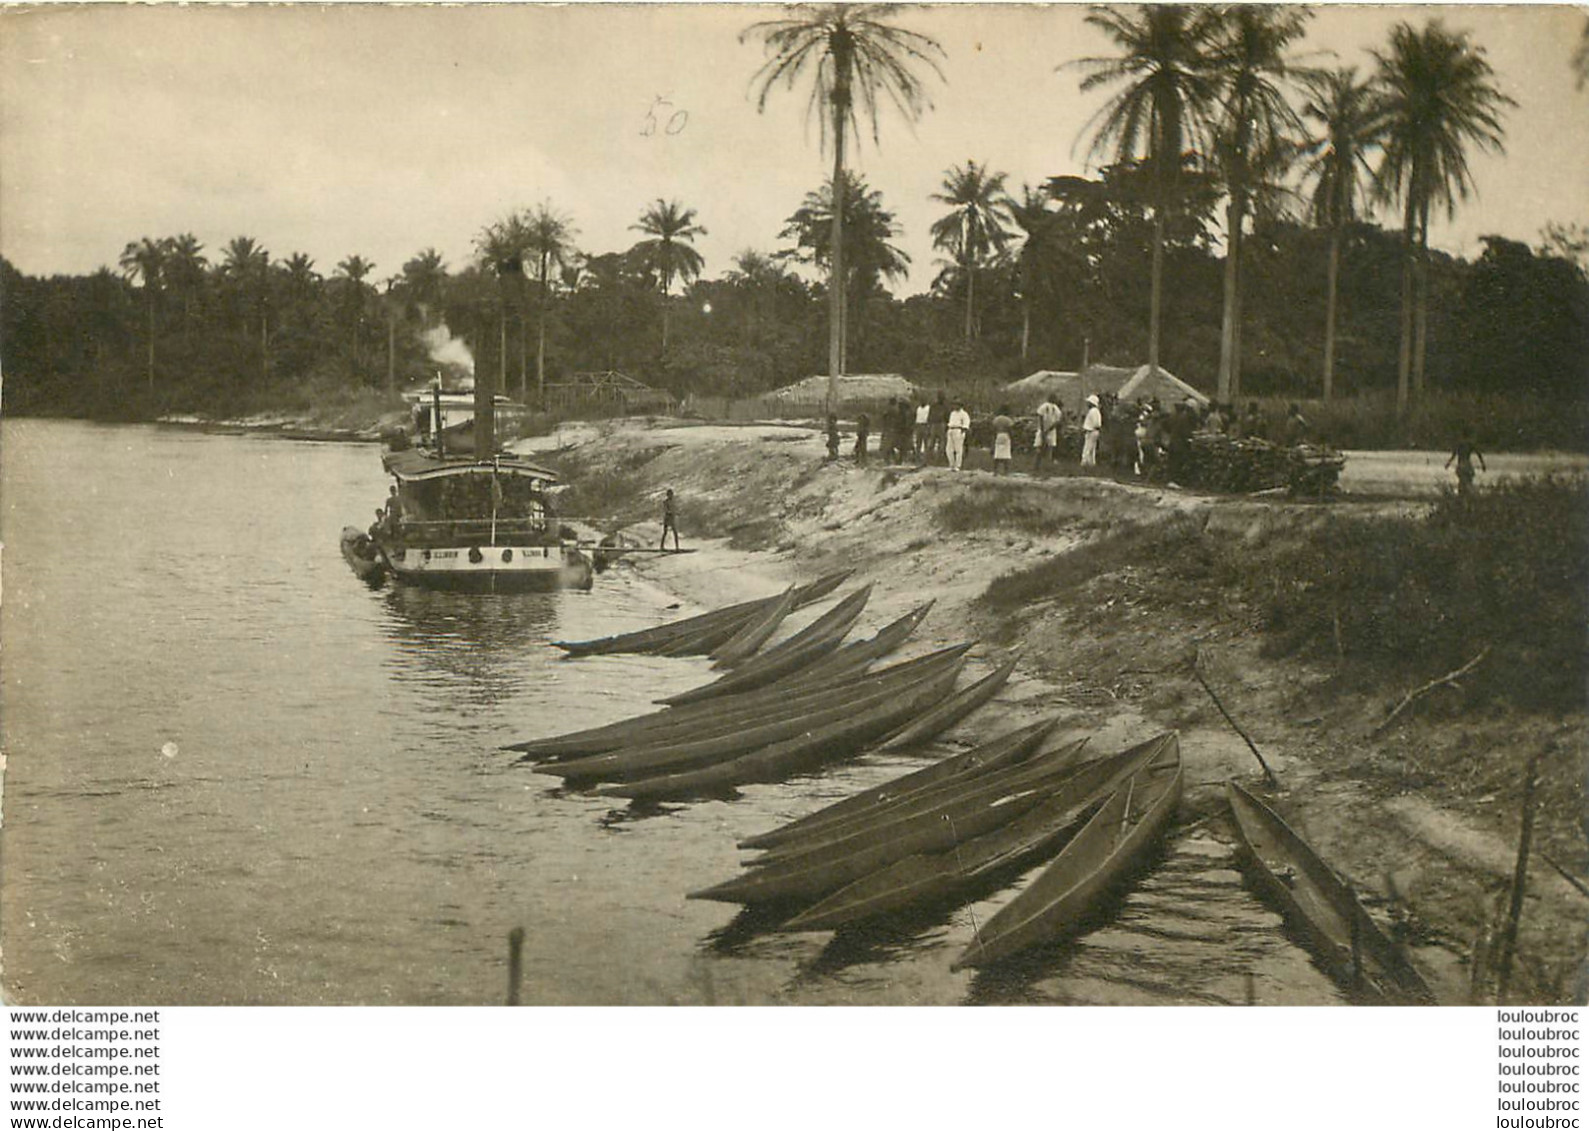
x,y
435,421
485,421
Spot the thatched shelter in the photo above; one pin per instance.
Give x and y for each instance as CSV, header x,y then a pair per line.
x,y
1070,390
611,392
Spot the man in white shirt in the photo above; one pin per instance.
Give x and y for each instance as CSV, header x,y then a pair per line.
x,y
1090,427
923,429
959,426
1049,418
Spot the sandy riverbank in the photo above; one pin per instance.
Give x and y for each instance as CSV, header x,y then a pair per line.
x,y
1430,851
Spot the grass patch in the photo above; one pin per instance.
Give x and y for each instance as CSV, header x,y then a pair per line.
x,y
1031,510
1177,539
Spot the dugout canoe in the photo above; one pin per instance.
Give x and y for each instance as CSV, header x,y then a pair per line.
x,y
748,640
1321,905
827,709
934,824
928,880
664,635
870,803
816,640
1102,854
713,716
802,753
950,711
851,660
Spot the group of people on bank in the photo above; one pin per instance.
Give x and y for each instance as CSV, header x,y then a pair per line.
x,y
1140,437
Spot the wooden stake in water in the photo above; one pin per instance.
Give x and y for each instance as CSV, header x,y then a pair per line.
x,y
1519,880
515,963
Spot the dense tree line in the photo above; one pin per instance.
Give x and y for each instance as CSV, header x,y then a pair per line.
x,y
1230,235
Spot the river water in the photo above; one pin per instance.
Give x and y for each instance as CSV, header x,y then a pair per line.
x,y
236,775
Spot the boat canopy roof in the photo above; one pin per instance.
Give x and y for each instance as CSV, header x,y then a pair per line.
x,y
412,465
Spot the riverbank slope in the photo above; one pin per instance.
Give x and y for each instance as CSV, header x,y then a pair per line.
x,y
1103,587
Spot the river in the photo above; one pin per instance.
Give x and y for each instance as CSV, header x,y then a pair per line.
x,y
236,775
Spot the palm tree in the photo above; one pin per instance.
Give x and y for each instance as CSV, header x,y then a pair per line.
x,y
502,247
146,259
423,278
247,267
668,252
1345,110
1438,98
185,269
855,57
758,276
1164,108
550,238
973,231
354,269
1035,222
1248,59
867,255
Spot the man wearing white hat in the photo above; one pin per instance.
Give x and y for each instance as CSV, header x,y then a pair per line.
x,y
1090,427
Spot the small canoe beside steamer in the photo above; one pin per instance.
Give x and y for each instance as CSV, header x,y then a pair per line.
x,y
1321,905
831,707
362,556
716,716
800,754
811,643
1113,842
934,821
928,880
651,640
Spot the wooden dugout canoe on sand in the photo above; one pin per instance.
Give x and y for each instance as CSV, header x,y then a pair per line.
x,y
935,879
799,754
757,631
805,647
934,820
662,636
872,806
714,716
829,707
1316,900
1116,839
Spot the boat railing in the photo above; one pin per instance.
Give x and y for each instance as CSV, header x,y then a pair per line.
x,y
422,531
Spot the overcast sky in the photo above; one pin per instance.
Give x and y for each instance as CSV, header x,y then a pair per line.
x,y
383,130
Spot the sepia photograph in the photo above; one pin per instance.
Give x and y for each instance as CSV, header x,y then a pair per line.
x,y
794,505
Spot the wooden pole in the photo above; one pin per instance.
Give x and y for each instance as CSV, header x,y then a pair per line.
x,y
515,963
1269,775
1519,881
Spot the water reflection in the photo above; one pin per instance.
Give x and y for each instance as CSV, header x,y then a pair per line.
x,y
476,645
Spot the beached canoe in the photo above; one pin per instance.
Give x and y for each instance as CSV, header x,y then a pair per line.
x,y
820,711
851,659
748,640
927,727
934,821
1102,854
800,754
712,717
933,880
662,636
1348,943
810,644
870,804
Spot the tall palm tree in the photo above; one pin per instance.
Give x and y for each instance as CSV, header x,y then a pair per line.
x,y
146,259
301,280
973,232
1248,58
758,276
423,279
1035,228
550,238
668,252
1438,99
185,269
1348,116
1164,107
856,58
355,268
502,248
246,267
